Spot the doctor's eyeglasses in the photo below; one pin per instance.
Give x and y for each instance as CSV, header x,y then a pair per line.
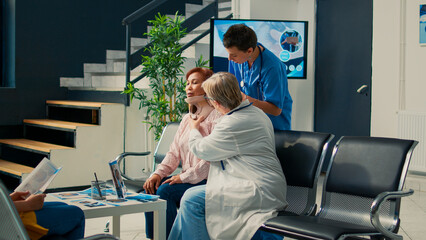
x,y
208,98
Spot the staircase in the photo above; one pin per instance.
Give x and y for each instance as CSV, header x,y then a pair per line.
x,y
110,76
79,136
83,136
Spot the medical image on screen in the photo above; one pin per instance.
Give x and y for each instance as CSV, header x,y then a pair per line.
x,y
291,41
286,39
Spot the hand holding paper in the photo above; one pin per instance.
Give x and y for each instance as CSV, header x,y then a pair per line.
x,y
40,178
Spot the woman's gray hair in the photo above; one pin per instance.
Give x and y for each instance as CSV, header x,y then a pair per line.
x,y
223,88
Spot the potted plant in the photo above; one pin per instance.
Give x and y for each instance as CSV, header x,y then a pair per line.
x,y
164,69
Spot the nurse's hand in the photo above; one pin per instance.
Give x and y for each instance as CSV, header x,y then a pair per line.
x,y
195,124
244,96
151,184
173,180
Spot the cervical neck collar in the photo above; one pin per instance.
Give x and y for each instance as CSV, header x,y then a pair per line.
x,y
198,106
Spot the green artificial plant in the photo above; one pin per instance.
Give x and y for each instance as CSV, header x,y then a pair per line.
x,y
164,69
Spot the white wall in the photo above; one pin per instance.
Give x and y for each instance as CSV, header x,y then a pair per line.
x,y
138,139
392,90
301,90
416,61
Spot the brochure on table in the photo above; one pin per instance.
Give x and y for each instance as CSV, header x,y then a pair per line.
x,y
117,180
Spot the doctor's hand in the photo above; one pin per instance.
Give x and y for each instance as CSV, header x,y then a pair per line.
x,y
243,96
151,184
173,180
195,124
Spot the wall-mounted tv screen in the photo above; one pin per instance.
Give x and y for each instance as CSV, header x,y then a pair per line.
x,y
273,35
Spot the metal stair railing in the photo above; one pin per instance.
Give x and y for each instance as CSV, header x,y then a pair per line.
x,y
134,60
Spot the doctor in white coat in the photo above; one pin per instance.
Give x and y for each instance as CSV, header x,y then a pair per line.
x,y
246,185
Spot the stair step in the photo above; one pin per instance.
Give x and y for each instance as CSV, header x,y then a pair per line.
x,y
138,41
224,13
31,145
189,37
113,77
71,82
115,54
94,67
202,28
193,7
56,124
77,104
14,168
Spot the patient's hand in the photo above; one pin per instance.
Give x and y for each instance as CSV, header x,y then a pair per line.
x,y
35,202
173,180
32,203
15,196
151,184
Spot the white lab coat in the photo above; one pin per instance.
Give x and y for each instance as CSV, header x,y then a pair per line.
x,y
250,187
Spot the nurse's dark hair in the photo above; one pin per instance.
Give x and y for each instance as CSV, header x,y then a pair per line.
x,y
240,36
223,88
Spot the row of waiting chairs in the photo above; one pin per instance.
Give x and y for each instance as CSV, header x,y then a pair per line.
x,y
361,193
362,189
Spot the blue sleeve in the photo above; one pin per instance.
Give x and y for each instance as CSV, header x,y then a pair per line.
x,y
231,68
274,85
234,69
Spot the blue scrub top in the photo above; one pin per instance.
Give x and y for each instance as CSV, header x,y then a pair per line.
x,y
271,87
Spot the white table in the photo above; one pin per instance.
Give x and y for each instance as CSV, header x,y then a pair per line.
x,y
158,207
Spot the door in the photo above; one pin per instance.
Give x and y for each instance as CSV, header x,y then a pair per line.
x,y
343,67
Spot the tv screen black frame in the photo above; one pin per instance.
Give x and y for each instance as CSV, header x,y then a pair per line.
x,y
296,58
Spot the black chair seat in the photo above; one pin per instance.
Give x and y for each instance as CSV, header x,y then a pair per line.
x,y
309,227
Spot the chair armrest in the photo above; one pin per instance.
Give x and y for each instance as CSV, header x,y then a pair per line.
x,y
375,214
121,156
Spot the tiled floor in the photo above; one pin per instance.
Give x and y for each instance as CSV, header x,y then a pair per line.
x,y
413,216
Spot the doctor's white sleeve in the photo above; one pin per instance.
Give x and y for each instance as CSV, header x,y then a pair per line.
x,y
217,146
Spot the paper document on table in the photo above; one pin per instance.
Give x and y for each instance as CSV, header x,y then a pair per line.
x,y
40,178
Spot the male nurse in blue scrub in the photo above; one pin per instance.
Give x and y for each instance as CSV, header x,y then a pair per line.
x,y
261,75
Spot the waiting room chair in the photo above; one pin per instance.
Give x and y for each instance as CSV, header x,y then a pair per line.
x,y
166,139
361,195
12,228
301,155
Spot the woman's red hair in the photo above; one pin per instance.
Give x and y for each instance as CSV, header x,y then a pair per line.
x,y
205,72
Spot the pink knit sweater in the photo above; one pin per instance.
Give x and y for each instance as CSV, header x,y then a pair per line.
x,y
194,169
